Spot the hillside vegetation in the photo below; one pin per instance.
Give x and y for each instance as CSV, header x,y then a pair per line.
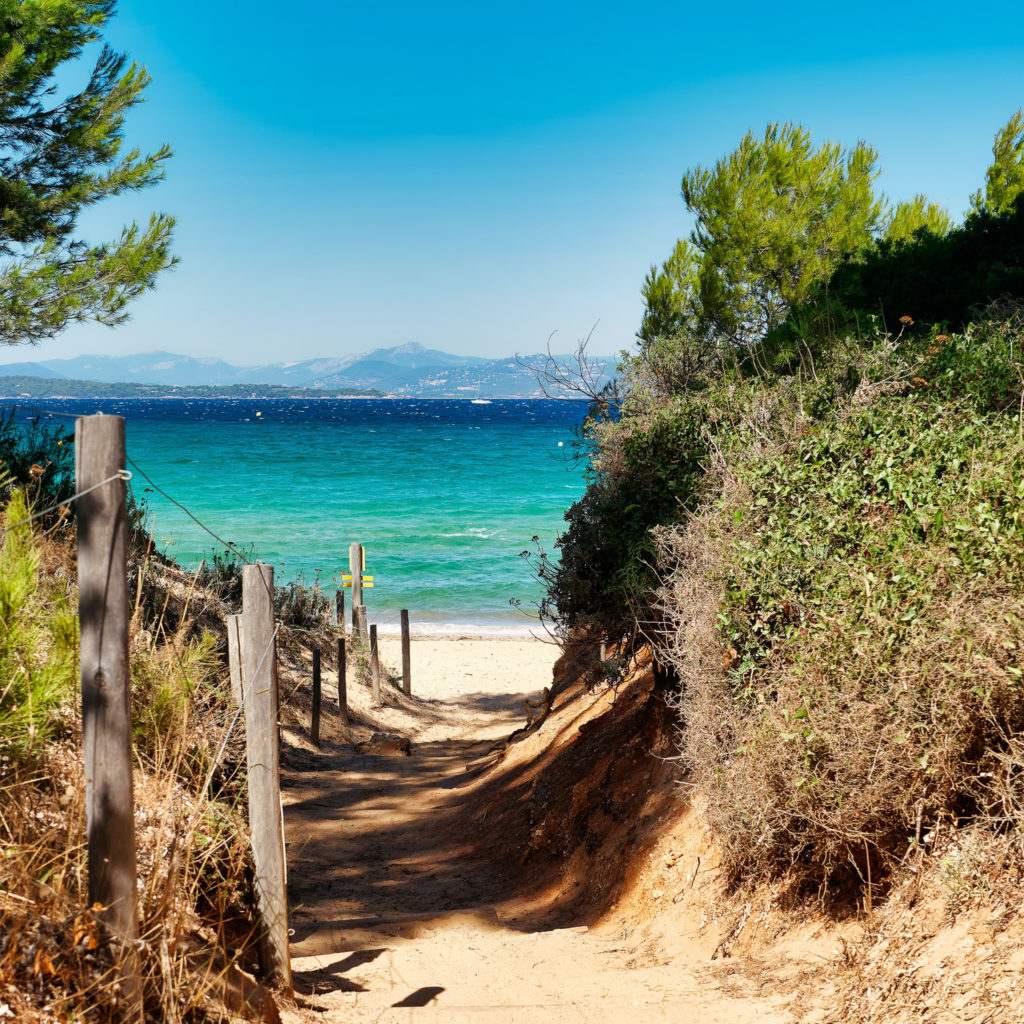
x,y
805,498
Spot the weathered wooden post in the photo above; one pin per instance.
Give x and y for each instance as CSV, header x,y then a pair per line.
x,y
374,665
355,570
342,682
235,667
363,632
406,654
314,726
103,606
339,607
262,756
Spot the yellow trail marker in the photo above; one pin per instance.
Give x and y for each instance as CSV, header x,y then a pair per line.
x,y
346,580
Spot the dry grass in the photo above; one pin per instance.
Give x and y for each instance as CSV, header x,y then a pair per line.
x,y
845,613
197,951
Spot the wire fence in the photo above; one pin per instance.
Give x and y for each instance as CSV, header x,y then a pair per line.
x,y
125,475
261,706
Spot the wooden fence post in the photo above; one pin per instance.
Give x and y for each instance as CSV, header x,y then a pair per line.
x,y
361,615
374,664
103,604
339,607
355,569
261,734
314,726
342,681
406,654
235,666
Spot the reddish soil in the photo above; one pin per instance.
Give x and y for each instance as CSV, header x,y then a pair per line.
x,y
475,880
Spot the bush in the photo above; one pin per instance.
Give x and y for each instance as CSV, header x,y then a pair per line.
x,y
38,639
846,615
222,574
648,473
934,279
37,443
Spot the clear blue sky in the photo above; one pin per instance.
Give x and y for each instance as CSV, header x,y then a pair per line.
x,y
476,176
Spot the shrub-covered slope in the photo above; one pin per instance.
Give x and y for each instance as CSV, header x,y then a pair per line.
x,y
845,613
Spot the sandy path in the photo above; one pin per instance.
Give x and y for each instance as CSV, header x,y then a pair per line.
x,y
397,917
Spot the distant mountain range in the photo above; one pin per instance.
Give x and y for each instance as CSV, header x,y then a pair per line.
x,y
409,371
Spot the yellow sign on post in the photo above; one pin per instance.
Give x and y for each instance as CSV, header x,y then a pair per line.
x,y
346,580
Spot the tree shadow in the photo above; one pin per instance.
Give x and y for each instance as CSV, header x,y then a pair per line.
x,y
330,977
385,845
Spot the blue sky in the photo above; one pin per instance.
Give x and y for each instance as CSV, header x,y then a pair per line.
x,y
475,177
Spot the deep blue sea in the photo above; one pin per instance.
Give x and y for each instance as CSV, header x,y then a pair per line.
x,y
444,494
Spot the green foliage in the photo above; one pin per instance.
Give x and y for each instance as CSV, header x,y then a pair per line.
x,y
934,279
780,270
295,605
906,220
1004,180
58,158
863,581
38,640
303,607
221,572
651,471
669,294
42,444
173,685
772,218
817,524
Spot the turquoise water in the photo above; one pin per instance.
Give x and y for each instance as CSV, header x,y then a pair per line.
x,y
443,494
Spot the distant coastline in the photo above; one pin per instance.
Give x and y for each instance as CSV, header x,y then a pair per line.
x,y
15,389
403,371
54,388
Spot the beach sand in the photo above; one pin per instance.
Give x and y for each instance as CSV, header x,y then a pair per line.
x,y
452,668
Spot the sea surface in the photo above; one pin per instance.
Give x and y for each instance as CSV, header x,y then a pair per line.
x,y
443,494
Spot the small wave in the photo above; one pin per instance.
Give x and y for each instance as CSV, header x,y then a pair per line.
x,y
474,531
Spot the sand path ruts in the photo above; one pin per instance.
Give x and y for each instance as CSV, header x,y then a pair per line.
x,y
397,917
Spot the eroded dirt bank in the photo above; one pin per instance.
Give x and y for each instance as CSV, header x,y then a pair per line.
x,y
555,876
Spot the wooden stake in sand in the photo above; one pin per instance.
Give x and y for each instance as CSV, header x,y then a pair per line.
x,y
235,667
374,664
339,608
314,726
342,682
261,734
406,654
103,605
355,568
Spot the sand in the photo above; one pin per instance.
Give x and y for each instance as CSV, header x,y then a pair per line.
x,y
481,681
399,914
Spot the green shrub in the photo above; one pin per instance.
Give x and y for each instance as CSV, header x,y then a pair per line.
x,y
934,279
222,573
846,616
38,639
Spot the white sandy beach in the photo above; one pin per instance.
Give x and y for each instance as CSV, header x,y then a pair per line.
x,y
447,668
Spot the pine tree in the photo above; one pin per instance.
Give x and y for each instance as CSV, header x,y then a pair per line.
x,y
906,220
60,157
1004,180
772,218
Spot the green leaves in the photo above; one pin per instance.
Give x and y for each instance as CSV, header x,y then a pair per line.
x,y
60,157
772,218
1004,180
907,220
38,640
